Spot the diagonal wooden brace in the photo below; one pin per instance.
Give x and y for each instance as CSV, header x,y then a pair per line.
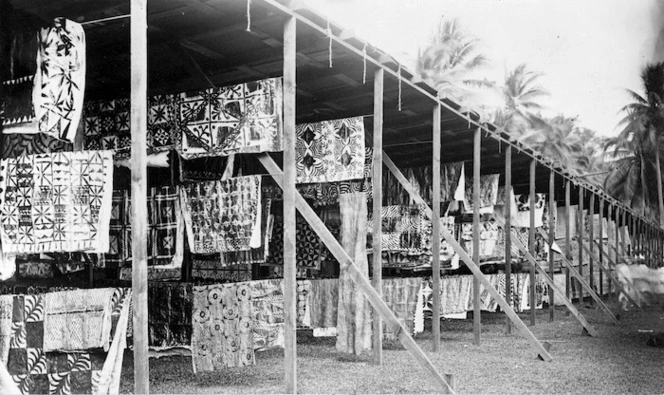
x,y
542,352
575,273
614,279
570,306
346,263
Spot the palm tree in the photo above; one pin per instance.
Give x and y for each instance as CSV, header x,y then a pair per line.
x,y
449,61
643,127
522,94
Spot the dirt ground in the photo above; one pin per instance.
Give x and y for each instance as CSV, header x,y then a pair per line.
x,y
616,361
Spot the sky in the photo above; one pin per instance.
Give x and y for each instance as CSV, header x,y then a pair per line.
x,y
589,51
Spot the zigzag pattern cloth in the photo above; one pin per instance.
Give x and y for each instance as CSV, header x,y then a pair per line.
x,y
242,118
58,202
330,151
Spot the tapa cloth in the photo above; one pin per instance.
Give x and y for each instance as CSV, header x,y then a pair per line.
x,y
242,118
58,202
223,215
222,321
330,151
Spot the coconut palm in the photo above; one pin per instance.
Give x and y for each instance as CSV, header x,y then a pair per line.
x,y
522,95
643,127
449,61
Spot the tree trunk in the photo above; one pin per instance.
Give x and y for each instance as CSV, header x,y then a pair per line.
x,y
354,313
643,187
659,186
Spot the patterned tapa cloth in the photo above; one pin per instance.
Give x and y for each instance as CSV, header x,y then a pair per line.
x,y
165,234
169,315
241,118
223,215
401,228
330,151
222,321
309,248
60,79
20,65
212,267
521,217
400,295
107,125
15,145
56,202
488,238
488,193
36,371
452,184
267,309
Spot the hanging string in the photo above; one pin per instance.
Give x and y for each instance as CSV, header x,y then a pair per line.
x,y
248,15
329,49
364,62
399,77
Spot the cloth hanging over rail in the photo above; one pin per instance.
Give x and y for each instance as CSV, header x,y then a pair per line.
x,y
242,118
400,295
330,151
488,238
60,79
56,202
401,228
169,315
521,217
222,320
267,301
36,371
488,194
17,144
224,215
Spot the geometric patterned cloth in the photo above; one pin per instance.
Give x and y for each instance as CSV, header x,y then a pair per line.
x,y
60,79
488,193
309,247
222,321
400,295
213,268
223,215
242,118
15,145
36,371
107,125
59,202
165,230
401,228
267,298
330,151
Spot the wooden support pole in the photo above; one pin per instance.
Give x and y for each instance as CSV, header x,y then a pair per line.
x,y
377,193
364,285
579,236
568,239
600,232
139,182
625,234
290,298
435,223
583,283
508,233
542,352
531,241
533,262
552,240
591,237
477,318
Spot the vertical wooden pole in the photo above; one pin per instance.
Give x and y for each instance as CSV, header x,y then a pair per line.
x,y
624,233
568,239
477,323
377,192
508,233
435,222
531,241
290,299
579,236
591,242
600,231
139,182
552,239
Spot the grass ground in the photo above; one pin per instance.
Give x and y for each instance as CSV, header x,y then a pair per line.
x,y
616,361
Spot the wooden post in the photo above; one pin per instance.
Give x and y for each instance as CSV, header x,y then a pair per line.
x,y
568,239
290,298
600,231
435,222
508,233
377,191
477,323
591,237
552,240
139,182
624,233
531,242
579,237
